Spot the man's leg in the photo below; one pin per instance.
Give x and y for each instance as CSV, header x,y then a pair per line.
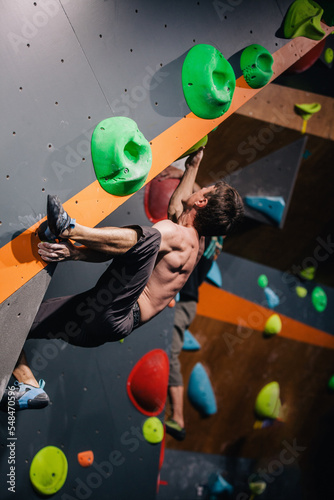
x,y
176,399
27,392
112,241
22,371
185,312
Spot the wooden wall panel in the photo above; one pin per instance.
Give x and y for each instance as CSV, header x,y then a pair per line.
x,y
238,368
240,141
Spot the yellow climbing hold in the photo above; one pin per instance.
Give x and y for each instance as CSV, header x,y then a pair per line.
x,y
307,273
273,325
268,403
48,470
301,291
306,111
153,430
257,486
304,19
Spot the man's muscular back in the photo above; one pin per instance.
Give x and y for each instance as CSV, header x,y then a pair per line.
x,y
176,259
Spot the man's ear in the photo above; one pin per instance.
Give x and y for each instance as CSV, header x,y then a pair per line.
x,y
201,203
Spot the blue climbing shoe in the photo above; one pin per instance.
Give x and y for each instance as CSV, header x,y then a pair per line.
x,y
175,430
45,234
58,219
26,396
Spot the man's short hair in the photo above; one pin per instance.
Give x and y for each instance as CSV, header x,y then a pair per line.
x,y
224,210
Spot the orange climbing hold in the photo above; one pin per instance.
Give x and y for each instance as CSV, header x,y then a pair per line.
x,y
86,458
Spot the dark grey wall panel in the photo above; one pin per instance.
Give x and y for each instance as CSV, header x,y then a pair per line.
x,y
90,411
136,49
17,314
187,476
274,175
43,143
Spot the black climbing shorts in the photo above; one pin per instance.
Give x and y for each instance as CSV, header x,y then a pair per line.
x,y
109,311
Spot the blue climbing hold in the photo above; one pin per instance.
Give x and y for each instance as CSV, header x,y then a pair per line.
x,y
214,275
272,297
190,343
273,206
200,392
218,485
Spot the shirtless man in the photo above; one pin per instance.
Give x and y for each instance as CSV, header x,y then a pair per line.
x,y
150,265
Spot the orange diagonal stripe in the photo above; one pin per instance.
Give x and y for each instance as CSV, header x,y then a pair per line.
x,y
225,306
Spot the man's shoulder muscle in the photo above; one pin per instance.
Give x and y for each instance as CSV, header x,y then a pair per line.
x,y
172,234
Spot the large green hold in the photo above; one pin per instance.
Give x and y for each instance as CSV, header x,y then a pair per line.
x,y
208,81
256,65
121,156
48,470
303,19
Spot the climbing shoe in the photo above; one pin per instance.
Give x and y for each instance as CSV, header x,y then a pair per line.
x,y
45,234
25,396
58,219
175,430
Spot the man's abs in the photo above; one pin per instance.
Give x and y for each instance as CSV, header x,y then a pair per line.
x,y
168,277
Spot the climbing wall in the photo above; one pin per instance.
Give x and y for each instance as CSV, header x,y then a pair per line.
x,y
67,65
67,68
241,359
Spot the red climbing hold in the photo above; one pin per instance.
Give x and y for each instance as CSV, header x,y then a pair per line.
x,y
308,59
148,381
157,196
162,450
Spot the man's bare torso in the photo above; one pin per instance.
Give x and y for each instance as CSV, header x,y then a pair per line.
x,y
177,257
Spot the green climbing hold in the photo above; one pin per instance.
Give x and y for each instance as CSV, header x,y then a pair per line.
x,y
208,81
301,291
268,403
48,470
262,281
329,55
121,156
331,383
195,147
153,430
319,299
307,273
307,110
256,65
303,19
273,325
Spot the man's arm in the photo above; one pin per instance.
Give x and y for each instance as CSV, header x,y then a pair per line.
x,y
186,186
57,252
